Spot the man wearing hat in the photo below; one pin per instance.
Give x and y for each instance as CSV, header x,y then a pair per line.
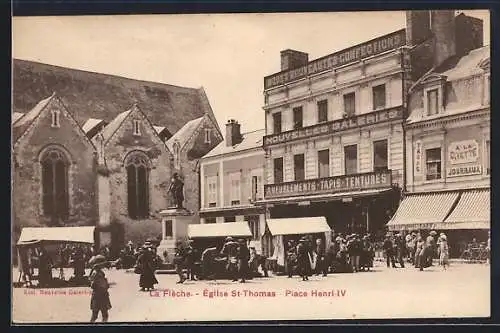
x,y
243,256
191,257
230,250
291,257
389,251
304,266
179,261
99,301
400,247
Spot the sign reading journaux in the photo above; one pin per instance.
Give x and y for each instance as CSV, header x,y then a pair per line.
x,y
369,180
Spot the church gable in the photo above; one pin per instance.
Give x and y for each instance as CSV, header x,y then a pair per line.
x,y
52,124
136,131
204,138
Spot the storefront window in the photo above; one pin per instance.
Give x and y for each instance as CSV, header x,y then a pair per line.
x,y
277,122
229,219
297,117
433,163
278,170
298,166
210,220
351,159
380,155
324,163
254,224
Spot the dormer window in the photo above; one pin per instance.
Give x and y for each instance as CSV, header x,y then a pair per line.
x,y
487,89
207,135
432,97
55,119
137,129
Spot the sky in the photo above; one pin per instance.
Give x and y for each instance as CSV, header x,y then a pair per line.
x,y
227,54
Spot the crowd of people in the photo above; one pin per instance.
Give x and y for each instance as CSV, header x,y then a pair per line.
x,y
349,253
416,249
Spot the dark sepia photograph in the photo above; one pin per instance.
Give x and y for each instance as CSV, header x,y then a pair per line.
x,y
250,167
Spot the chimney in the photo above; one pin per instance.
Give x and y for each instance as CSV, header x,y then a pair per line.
x,y
469,33
443,28
233,133
291,59
418,27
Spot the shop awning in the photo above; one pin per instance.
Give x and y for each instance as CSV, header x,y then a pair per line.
x,y
56,234
296,226
472,211
233,229
422,211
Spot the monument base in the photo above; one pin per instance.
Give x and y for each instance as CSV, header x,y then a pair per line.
x,y
174,225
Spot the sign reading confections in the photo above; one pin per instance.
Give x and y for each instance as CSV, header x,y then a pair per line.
x,y
373,47
335,126
418,157
461,152
362,181
468,170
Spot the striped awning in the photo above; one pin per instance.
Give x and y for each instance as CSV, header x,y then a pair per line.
x,y
423,211
472,211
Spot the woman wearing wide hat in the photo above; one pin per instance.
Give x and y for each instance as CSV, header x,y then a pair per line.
x,y
99,302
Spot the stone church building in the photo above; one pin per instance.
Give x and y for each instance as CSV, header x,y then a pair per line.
x,y
100,150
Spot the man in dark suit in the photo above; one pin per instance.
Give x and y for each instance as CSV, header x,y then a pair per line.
x,y
321,266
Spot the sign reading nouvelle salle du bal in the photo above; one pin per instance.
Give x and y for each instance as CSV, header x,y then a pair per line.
x,y
335,126
369,180
337,59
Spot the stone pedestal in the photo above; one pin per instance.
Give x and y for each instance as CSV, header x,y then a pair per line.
x,y
174,226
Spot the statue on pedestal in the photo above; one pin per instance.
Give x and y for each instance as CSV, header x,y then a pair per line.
x,y
177,190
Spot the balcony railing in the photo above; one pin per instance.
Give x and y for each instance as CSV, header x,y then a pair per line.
x,y
335,126
328,185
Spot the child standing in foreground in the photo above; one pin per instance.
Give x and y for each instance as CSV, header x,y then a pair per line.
x,y
443,251
100,295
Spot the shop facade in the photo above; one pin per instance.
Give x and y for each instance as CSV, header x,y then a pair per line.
x,y
448,153
232,180
334,137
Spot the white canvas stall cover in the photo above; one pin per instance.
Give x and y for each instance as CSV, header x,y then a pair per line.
x,y
233,229
297,226
57,234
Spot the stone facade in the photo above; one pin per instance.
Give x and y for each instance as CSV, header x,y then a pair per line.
x,y
38,137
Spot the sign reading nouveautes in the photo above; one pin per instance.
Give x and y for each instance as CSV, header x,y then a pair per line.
x,y
335,126
344,57
369,180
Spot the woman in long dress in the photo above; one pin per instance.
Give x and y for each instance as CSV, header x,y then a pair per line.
x,y
443,251
147,279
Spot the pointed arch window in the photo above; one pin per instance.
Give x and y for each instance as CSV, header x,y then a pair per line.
x,y
138,185
55,200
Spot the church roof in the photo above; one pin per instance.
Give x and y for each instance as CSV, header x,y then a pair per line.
x,y
250,140
90,124
109,130
101,96
183,135
16,116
